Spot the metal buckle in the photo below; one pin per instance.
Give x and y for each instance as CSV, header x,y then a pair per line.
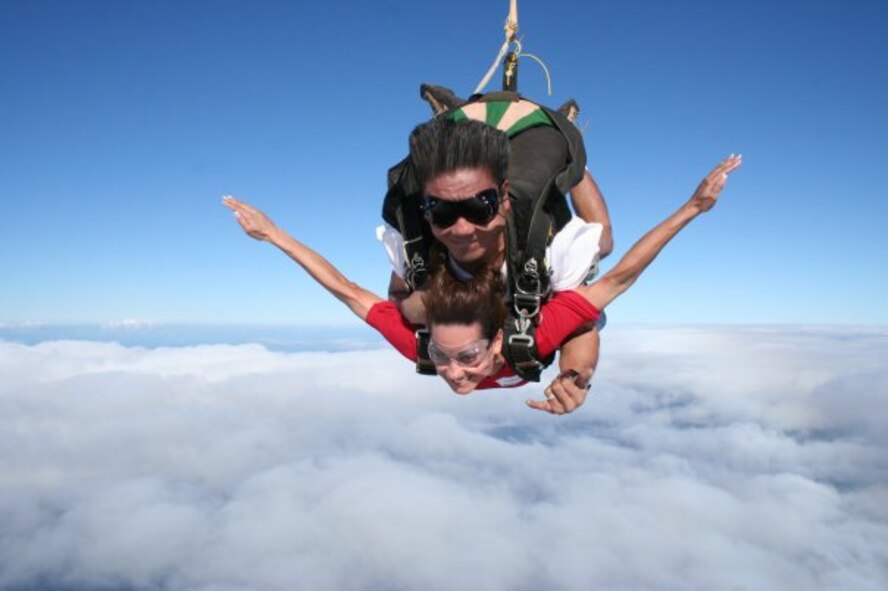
x,y
527,305
524,339
527,342
415,272
528,282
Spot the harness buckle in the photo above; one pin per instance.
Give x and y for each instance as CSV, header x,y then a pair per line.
x,y
523,340
527,305
529,292
415,272
521,347
528,281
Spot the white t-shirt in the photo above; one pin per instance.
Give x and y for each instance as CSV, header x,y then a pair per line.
x,y
571,256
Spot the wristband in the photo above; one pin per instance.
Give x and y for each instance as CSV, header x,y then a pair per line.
x,y
576,377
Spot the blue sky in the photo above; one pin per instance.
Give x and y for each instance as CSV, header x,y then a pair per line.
x,y
122,123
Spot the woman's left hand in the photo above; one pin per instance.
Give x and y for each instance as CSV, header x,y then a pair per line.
x,y
565,394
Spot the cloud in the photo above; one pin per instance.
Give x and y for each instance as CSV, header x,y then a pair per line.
x,y
129,324
743,458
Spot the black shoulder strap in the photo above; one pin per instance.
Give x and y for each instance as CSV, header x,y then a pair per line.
x,y
402,209
528,275
529,286
573,173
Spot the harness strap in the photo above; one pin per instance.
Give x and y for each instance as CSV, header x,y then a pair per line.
x,y
415,247
401,209
528,286
573,173
529,262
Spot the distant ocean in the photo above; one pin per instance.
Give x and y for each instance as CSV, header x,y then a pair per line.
x,y
138,334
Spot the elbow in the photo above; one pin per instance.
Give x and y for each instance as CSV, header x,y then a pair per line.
x,y
613,285
398,295
398,289
606,242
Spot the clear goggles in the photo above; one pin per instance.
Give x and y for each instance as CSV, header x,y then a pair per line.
x,y
469,356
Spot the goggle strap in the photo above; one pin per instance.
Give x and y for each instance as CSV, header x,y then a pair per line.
x,y
424,363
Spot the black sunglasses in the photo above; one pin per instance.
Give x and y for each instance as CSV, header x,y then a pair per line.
x,y
479,209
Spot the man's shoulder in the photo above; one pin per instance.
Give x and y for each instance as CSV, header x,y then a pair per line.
x,y
573,252
393,243
576,232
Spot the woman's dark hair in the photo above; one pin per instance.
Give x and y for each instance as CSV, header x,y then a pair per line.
x,y
481,299
444,145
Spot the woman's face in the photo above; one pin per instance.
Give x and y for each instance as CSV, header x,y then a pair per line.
x,y
462,356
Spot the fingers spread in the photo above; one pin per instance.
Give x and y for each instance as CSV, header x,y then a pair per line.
x,y
734,164
725,166
237,205
234,206
730,163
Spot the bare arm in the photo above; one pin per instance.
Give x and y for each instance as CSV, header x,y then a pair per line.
x,y
588,203
259,226
410,302
580,352
620,278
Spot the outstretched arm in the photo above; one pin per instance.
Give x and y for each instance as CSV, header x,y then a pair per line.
x,y
620,278
259,226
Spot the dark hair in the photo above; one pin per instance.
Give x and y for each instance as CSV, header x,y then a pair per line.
x,y
481,299
444,145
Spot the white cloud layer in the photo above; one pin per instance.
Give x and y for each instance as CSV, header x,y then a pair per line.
x,y
750,458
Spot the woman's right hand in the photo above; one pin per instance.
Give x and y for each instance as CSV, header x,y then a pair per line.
x,y
255,223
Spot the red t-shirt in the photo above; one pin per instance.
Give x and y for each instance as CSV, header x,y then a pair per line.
x,y
565,312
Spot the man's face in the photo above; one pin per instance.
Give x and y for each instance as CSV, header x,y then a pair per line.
x,y
470,243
